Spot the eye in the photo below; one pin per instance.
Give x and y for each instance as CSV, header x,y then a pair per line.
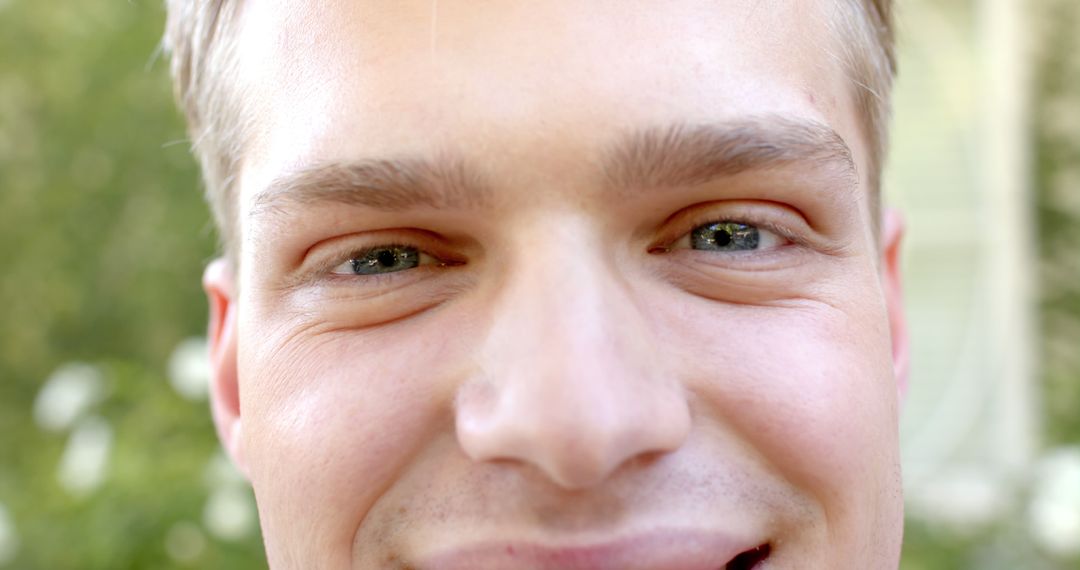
x,y
383,259
728,236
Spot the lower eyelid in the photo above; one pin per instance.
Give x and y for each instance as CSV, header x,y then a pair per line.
x,y
374,281
740,262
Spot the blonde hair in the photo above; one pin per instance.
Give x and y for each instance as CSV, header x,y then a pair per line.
x,y
199,35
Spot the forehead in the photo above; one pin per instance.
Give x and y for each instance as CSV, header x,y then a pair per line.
x,y
522,87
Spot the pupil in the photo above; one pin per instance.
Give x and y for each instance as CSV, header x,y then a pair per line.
x,y
722,237
386,258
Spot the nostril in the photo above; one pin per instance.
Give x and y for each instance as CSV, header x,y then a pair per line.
x,y
750,559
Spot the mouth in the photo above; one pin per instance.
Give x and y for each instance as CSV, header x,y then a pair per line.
x,y
654,551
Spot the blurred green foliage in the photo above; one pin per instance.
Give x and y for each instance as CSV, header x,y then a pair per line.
x,y
103,235
1056,123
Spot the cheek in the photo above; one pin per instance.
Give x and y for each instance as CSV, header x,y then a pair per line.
x,y
329,420
809,386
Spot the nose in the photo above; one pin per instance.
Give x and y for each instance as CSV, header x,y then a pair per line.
x,y
571,381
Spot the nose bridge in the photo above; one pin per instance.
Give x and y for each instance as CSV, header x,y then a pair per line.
x,y
570,300
569,383
561,289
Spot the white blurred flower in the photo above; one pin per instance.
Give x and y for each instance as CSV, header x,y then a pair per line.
x,y
86,456
1054,512
67,394
9,541
189,368
185,542
230,513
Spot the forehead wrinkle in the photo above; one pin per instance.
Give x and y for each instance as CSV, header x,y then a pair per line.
x,y
689,154
389,185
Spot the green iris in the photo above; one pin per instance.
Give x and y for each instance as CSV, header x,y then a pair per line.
x,y
725,236
386,259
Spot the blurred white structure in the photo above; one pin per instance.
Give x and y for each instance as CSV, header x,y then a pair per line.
x,y
959,171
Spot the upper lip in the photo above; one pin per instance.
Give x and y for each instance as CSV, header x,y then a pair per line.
x,y
665,549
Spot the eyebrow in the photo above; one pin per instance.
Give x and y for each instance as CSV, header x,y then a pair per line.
x,y
689,155
380,184
651,158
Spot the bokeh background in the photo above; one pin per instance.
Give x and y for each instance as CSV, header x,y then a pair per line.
x,y
108,459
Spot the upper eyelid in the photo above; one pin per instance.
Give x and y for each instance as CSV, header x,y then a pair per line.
x,y
684,222
317,266
786,221
342,247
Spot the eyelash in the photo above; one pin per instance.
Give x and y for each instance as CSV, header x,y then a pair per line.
x,y
686,223
325,269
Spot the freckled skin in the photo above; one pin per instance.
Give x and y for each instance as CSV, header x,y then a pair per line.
x,y
576,376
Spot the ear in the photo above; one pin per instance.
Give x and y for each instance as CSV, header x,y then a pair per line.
x,y
219,284
892,234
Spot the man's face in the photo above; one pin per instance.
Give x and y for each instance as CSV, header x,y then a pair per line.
x,y
558,285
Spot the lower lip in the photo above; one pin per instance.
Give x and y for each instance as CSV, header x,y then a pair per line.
x,y
672,550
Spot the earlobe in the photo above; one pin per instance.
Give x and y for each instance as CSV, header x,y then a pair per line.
x,y
892,283
218,282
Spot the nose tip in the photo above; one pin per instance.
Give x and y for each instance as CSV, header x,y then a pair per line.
x,y
574,447
585,460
